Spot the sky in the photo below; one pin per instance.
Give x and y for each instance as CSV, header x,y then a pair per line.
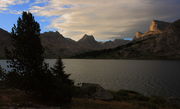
x,y
105,19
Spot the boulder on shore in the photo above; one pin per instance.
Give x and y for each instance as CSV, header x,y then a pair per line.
x,y
95,91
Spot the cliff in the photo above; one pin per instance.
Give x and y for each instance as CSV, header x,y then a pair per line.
x,y
156,27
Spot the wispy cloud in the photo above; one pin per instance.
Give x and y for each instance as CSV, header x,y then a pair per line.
x,y
4,4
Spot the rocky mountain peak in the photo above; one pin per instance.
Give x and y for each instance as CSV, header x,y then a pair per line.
x,y
52,35
158,26
87,38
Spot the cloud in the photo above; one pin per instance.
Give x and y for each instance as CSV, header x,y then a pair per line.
x,y
105,19
4,4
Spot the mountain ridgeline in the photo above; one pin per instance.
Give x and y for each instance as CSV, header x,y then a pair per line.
x,y
56,44
161,41
5,42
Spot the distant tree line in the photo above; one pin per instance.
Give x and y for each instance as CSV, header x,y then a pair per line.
x,y
29,72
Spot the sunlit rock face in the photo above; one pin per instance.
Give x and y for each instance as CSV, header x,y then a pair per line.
x,y
138,35
158,26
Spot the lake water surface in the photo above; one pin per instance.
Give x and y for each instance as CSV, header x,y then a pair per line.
x,y
161,78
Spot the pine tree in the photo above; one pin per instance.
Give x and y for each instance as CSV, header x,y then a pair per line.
x,y
29,72
2,74
62,82
28,52
59,73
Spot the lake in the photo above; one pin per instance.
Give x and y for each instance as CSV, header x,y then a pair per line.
x,y
161,78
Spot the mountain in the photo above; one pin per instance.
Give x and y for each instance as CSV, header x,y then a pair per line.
x,y
89,39
115,43
5,42
88,43
56,44
161,41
